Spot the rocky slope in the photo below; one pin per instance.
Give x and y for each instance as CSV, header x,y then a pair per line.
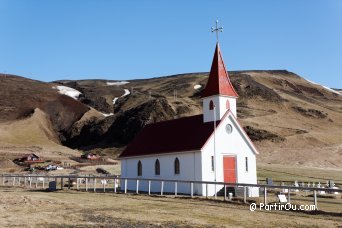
x,y
290,119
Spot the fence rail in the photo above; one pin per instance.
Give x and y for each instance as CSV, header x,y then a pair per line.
x,y
90,182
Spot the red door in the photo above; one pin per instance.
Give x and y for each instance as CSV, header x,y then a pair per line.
x,y
229,169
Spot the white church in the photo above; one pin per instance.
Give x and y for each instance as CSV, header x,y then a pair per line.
x,y
191,148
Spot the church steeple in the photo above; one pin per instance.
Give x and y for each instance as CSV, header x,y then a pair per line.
x,y
219,95
218,81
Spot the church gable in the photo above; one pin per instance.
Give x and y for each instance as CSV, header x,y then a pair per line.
x,y
230,130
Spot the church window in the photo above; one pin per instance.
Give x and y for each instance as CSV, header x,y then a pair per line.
x,y
211,105
212,164
157,167
227,105
246,161
139,168
177,166
229,129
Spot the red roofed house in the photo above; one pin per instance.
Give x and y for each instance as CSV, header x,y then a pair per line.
x,y
190,149
31,158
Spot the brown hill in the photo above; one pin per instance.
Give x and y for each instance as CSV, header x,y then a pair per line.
x,y
291,120
33,115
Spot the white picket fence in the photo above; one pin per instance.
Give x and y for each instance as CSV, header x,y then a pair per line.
x,y
116,184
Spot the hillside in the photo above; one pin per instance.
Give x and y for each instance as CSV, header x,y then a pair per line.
x,y
291,120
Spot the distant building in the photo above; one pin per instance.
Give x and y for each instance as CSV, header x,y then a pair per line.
x,y
90,156
31,158
191,148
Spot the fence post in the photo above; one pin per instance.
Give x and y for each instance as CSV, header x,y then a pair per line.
x,y
176,186
62,183
25,181
43,182
137,188
13,181
104,185
225,192
192,189
315,200
19,180
125,185
114,185
215,191
289,195
244,194
162,188
206,190
265,195
30,181
86,184
69,182
149,187
94,184
36,186
77,183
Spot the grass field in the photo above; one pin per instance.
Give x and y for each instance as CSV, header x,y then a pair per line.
x,y
20,207
292,173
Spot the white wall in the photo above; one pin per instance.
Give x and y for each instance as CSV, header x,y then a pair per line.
x,y
220,104
190,169
196,165
229,145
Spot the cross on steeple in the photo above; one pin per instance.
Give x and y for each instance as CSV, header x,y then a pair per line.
x,y
217,30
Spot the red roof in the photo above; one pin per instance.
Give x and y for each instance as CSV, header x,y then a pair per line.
x,y
218,82
178,135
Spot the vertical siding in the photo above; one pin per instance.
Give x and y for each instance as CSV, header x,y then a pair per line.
x,y
190,169
228,145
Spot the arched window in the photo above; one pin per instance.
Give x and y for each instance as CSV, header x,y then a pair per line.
x,y
139,168
211,105
157,167
227,105
177,166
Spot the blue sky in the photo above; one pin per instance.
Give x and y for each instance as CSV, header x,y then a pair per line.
x,y
79,39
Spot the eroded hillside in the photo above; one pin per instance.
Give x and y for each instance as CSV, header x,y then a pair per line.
x,y
291,120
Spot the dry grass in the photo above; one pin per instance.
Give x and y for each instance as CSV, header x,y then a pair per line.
x,y
112,169
292,173
69,208
33,134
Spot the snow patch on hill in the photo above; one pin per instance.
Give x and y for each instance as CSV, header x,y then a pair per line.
x,y
197,86
106,115
68,91
325,87
117,83
125,94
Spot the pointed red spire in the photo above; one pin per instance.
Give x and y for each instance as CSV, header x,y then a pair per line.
x,y
218,81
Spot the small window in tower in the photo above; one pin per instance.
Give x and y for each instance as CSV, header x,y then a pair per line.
x,y
211,105
157,167
212,164
246,160
227,105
